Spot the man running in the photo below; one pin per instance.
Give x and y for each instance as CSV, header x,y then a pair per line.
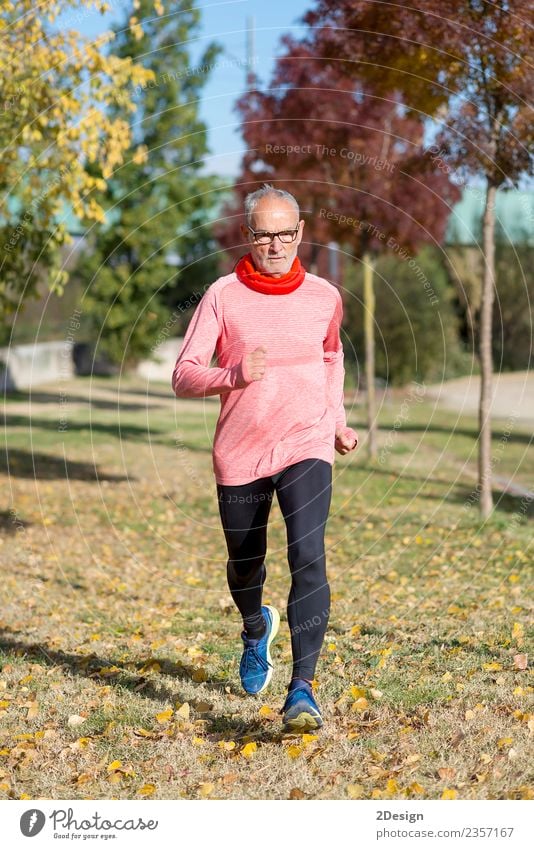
x,y
275,331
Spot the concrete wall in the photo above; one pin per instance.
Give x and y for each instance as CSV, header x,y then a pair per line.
x,y
24,366
166,355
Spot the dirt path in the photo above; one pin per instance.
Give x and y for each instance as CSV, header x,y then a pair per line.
x,y
513,395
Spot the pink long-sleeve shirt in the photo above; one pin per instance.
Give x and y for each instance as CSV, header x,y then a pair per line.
x,y
294,411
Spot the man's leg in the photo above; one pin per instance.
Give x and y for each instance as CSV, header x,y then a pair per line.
x,y
304,493
244,512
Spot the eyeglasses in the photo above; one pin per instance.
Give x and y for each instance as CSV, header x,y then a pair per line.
x,y
260,237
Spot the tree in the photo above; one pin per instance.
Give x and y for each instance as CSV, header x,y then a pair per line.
x,y
151,252
417,340
58,141
467,62
355,157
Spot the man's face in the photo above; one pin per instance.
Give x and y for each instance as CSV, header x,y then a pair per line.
x,y
273,214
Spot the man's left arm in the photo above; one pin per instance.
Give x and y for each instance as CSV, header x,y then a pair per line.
x,y
346,439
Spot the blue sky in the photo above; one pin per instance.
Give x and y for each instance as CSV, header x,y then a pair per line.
x,y
224,21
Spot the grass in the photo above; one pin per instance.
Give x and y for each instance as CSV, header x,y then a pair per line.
x,y
119,643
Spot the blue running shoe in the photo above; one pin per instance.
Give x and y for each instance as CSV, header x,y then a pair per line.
x,y
256,667
301,712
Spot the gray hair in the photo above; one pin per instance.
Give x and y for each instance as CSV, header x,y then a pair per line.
x,y
266,190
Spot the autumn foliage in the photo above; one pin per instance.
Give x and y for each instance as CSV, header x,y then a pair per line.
x,y
59,142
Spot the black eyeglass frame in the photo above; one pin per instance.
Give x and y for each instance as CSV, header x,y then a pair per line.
x,y
273,235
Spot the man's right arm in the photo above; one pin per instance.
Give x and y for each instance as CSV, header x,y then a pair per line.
x,y
192,376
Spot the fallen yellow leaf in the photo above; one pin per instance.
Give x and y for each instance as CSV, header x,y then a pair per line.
x,y
164,716
518,632
226,745
358,692
415,787
248,750
309,738
206,789
147,790
449,793
150,666
294,751
355,791
114,765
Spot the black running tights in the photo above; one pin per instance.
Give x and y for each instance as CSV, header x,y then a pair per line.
x,y
304,492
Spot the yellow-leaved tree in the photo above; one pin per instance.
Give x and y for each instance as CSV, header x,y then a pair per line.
x,y
59,144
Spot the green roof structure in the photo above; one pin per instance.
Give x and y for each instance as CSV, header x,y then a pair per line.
x,y
514,218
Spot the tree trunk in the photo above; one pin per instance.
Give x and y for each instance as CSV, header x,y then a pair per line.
x,y
314,258
485,354
369,332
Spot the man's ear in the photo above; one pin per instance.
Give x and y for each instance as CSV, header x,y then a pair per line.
x,y
244,231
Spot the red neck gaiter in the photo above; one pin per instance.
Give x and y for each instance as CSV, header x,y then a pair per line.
x,y
266,283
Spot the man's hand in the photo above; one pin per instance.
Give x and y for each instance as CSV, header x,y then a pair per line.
x,y
256,362
346,440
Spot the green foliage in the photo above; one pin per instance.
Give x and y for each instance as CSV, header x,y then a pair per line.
x,y
416,332
150,254
512,310
58,137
